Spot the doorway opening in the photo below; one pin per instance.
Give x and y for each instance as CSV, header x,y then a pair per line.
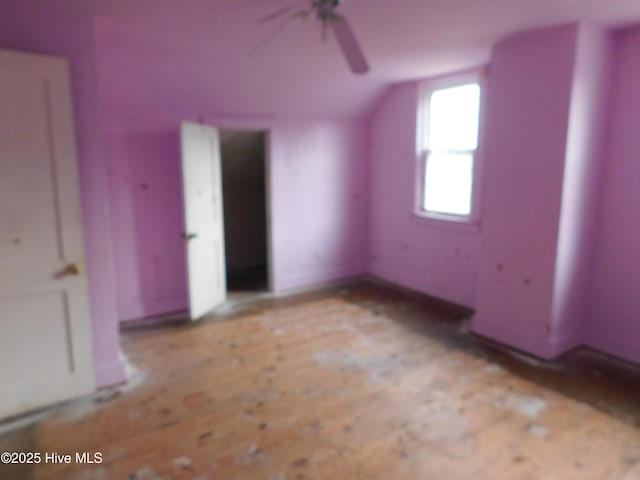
x,y
244,193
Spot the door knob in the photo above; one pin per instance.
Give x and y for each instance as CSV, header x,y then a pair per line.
x,y
189,236
70,270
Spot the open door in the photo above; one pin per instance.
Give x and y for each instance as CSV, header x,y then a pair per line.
x,y
45,329
204,225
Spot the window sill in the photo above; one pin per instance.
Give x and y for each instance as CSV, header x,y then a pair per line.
x,y
445,222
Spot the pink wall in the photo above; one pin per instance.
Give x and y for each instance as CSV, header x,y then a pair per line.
x,y
147,218
429,256
543,145
529,96
614,304
319,199
318,177
34,26
581,186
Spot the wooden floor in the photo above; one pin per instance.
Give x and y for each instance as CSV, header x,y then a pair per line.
x,y
357,382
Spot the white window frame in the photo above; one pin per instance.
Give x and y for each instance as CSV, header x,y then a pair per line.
x,y
476,76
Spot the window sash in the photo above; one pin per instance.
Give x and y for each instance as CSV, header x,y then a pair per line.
x,y
442,120
425,191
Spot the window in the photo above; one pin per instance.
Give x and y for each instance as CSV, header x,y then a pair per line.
x,y
450,122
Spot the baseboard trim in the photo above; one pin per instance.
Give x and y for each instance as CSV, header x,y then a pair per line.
x,y
139,310
613,346
419,284
318,277
527,342
456,308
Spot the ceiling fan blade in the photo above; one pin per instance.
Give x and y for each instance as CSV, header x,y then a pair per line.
x,y
279,13
283,25
349,45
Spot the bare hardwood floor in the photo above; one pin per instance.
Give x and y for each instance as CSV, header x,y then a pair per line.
x,y
358,382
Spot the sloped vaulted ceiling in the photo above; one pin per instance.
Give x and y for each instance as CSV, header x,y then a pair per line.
x,y
198,50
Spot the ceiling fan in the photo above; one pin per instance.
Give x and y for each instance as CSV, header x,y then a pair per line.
x,y
326,11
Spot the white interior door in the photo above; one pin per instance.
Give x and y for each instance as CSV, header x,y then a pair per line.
x,y
45,331
204,225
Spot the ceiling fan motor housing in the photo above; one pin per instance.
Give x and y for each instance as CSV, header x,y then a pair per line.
x,y
326,9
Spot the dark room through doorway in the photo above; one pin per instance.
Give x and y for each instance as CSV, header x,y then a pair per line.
x,y
244,187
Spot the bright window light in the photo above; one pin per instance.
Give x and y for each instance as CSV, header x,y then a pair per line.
x,y
448,181
449,155
453,118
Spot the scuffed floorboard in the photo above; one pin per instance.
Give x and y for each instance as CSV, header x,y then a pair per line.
x,y
359,382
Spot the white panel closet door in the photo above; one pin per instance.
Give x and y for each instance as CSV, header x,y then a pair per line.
x,y
45,330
